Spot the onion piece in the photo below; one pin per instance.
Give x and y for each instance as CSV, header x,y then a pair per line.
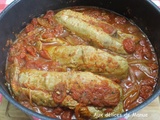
x,y
131,91
132,95
132,75
137,61
143,67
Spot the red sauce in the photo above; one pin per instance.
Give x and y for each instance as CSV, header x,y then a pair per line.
x,y
93,94
59,92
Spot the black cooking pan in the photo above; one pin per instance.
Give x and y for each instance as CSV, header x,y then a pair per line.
x,y
15,17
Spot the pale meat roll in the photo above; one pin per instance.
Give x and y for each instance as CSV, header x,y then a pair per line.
x,y
89,94
88,58
99,32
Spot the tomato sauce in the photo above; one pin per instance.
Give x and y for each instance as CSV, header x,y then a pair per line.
x,y
93,94
137,87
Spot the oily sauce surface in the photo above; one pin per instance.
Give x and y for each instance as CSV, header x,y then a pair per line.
x,y
28,50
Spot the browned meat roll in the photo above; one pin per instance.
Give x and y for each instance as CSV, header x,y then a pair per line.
x,y
88,58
